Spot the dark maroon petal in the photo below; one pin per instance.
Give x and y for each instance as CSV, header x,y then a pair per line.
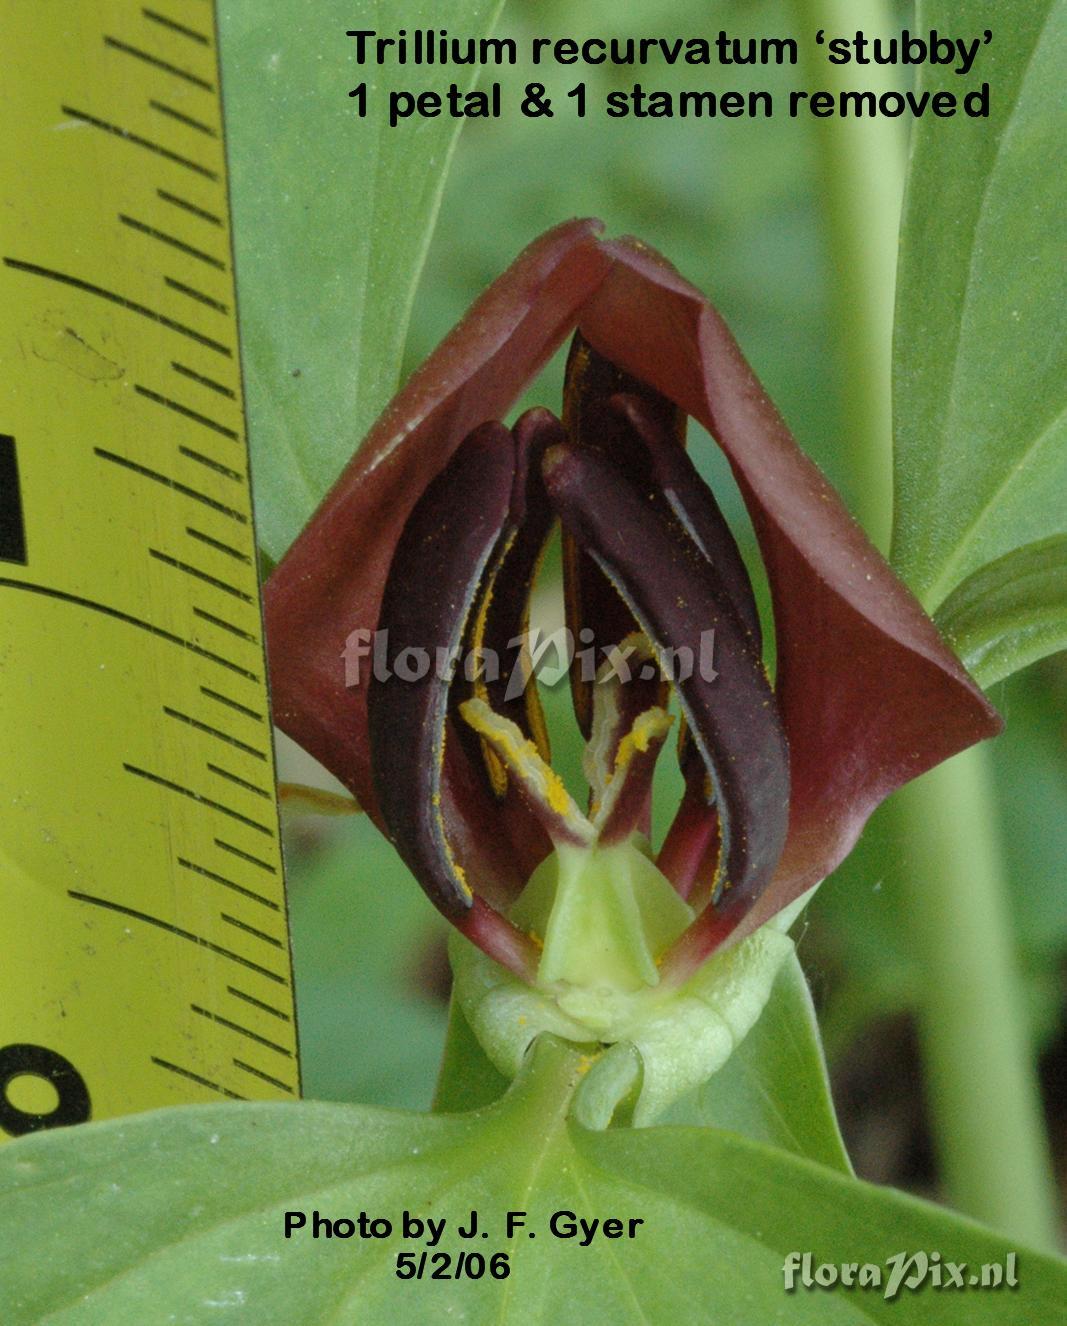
x,y
674,482
677,596
501,617
693,505
443,554
869,694
689,853
651,452
505,942
596,616
330,582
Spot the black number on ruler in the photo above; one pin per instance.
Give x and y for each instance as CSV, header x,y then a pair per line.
x,y
73,1105
12,529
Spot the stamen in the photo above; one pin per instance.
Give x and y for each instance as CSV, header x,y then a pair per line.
x,y
625,807
617,700
549,799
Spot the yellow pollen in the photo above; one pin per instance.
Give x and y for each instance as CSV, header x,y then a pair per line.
x,y
522,758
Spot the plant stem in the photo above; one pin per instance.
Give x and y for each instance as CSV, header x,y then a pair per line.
x,y
982,1092
862,170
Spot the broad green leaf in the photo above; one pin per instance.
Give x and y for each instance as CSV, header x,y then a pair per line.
x,y
1011,612
467,1079
774,1087
332,219
179,1216
980,372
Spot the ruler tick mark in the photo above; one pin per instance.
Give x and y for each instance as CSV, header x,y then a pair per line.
x,y
198,295
138,140
182,118
170,786
195,1077
164,238
121,908
241,782
227,883
251,930
195,571
201,37
186,412
165,65
242,1031
265,1077
258,1003
214,732
130,620
219,698
245,856
168,482
235,476
217,544
186,205
224,625
49,274
204,381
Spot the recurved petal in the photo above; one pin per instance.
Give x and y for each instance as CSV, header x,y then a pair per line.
x,y
498,631
439,816
869,694
596,616
677,597
330,583
441,559
693,505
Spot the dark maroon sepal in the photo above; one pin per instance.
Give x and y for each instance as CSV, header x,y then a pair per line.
x,y
677,595
869,695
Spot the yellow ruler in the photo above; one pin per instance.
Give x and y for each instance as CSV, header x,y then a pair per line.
x,y
144,947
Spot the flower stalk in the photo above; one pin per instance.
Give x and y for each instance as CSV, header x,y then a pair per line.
x,y
983,1095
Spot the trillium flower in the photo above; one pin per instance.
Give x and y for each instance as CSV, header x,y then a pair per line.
x,y
432,538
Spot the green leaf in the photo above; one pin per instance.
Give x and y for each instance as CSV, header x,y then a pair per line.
x,y
774,1087
1011,612
332,219
178,1215
467,1081
980,351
